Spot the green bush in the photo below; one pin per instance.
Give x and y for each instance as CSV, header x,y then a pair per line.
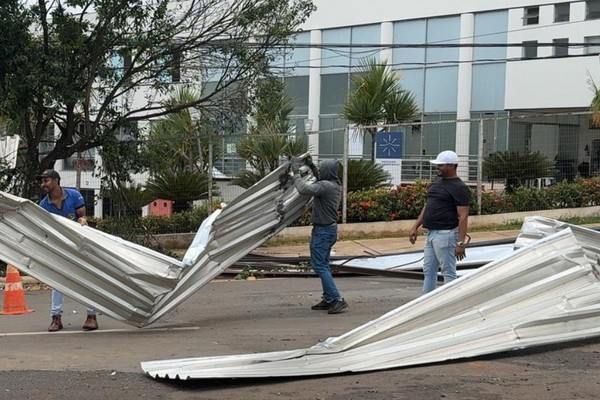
x,y
591,191
185,221
380,204
491,203
566,195
528,199
407,201
385,204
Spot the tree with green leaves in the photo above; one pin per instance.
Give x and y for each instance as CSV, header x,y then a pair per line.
x,y
95,68
595,104
377,97
181,140
177,154
363,174
269,135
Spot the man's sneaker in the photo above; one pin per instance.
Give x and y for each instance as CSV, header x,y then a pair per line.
x,y
323,305
337,306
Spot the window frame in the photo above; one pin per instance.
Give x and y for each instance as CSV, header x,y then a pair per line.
x,y
530,46
562,12
595,48
531,15
562,45
592,9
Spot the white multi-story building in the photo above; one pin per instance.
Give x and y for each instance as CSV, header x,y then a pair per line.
x,y
462,60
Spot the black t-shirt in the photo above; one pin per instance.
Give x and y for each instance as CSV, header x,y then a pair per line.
x,y
443,196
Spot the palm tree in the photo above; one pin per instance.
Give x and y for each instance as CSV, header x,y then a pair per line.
x,y
595,104
183,187
378,98
180,141
177,155
269,137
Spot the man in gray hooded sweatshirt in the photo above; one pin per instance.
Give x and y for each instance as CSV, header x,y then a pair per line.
x,y
327,194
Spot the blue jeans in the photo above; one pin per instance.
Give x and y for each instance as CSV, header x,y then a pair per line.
x,y
57,304
321,241
439,253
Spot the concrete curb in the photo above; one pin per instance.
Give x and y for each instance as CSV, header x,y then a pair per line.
x,y
396,228
29,284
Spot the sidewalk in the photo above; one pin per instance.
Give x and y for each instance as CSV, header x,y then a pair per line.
x,y
377,246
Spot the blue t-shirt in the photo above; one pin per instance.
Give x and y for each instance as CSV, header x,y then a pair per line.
x,y
72,201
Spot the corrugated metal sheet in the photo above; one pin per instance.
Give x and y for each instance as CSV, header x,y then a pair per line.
x,y
548,291
129,282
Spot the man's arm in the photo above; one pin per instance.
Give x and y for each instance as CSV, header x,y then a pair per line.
x,y
412,236
463,219
81,218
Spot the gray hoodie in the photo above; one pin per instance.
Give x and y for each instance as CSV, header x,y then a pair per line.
x,y
327,193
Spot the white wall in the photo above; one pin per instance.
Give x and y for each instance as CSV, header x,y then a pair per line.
x,y
554,83
547,84
336,13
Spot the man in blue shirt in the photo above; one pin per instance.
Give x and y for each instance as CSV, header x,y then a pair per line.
x,y
70,204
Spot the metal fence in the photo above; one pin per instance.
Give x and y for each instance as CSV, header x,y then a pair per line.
x,y
567,144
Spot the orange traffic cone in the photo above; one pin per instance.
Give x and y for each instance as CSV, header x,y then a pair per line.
x,y
14,296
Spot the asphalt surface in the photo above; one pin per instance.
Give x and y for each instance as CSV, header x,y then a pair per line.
x,y
239,317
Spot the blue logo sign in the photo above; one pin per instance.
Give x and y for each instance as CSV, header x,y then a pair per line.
x,y
389,145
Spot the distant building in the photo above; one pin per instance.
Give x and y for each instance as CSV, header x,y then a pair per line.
x,y
540,61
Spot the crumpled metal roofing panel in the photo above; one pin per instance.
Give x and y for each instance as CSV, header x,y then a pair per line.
x,y
132,283
476,257
546,292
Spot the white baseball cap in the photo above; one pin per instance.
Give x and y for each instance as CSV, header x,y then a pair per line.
x,y
446,157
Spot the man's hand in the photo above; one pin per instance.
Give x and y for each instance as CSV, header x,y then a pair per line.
x,y
412,236
82,221
296,163
460,252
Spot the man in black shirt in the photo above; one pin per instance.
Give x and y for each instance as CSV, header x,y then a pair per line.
x,y
445,216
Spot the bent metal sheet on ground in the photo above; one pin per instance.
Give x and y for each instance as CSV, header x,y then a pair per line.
x,y
132,283
547,291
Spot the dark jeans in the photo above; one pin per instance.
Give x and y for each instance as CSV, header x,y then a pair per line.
x,y
322,240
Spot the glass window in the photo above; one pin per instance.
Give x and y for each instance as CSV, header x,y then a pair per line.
x,y
297,88
441,89
561,47
487,89
331,137
442,31
409,32
335,59
562,12
297,59
439,136
365,35
334,90
592,44
530,48
490,27
531,16
413,80
592,9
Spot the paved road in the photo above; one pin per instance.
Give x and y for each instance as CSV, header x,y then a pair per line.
x,y
238,317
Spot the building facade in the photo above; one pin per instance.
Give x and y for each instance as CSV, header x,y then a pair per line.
x,y
488,76
505,62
